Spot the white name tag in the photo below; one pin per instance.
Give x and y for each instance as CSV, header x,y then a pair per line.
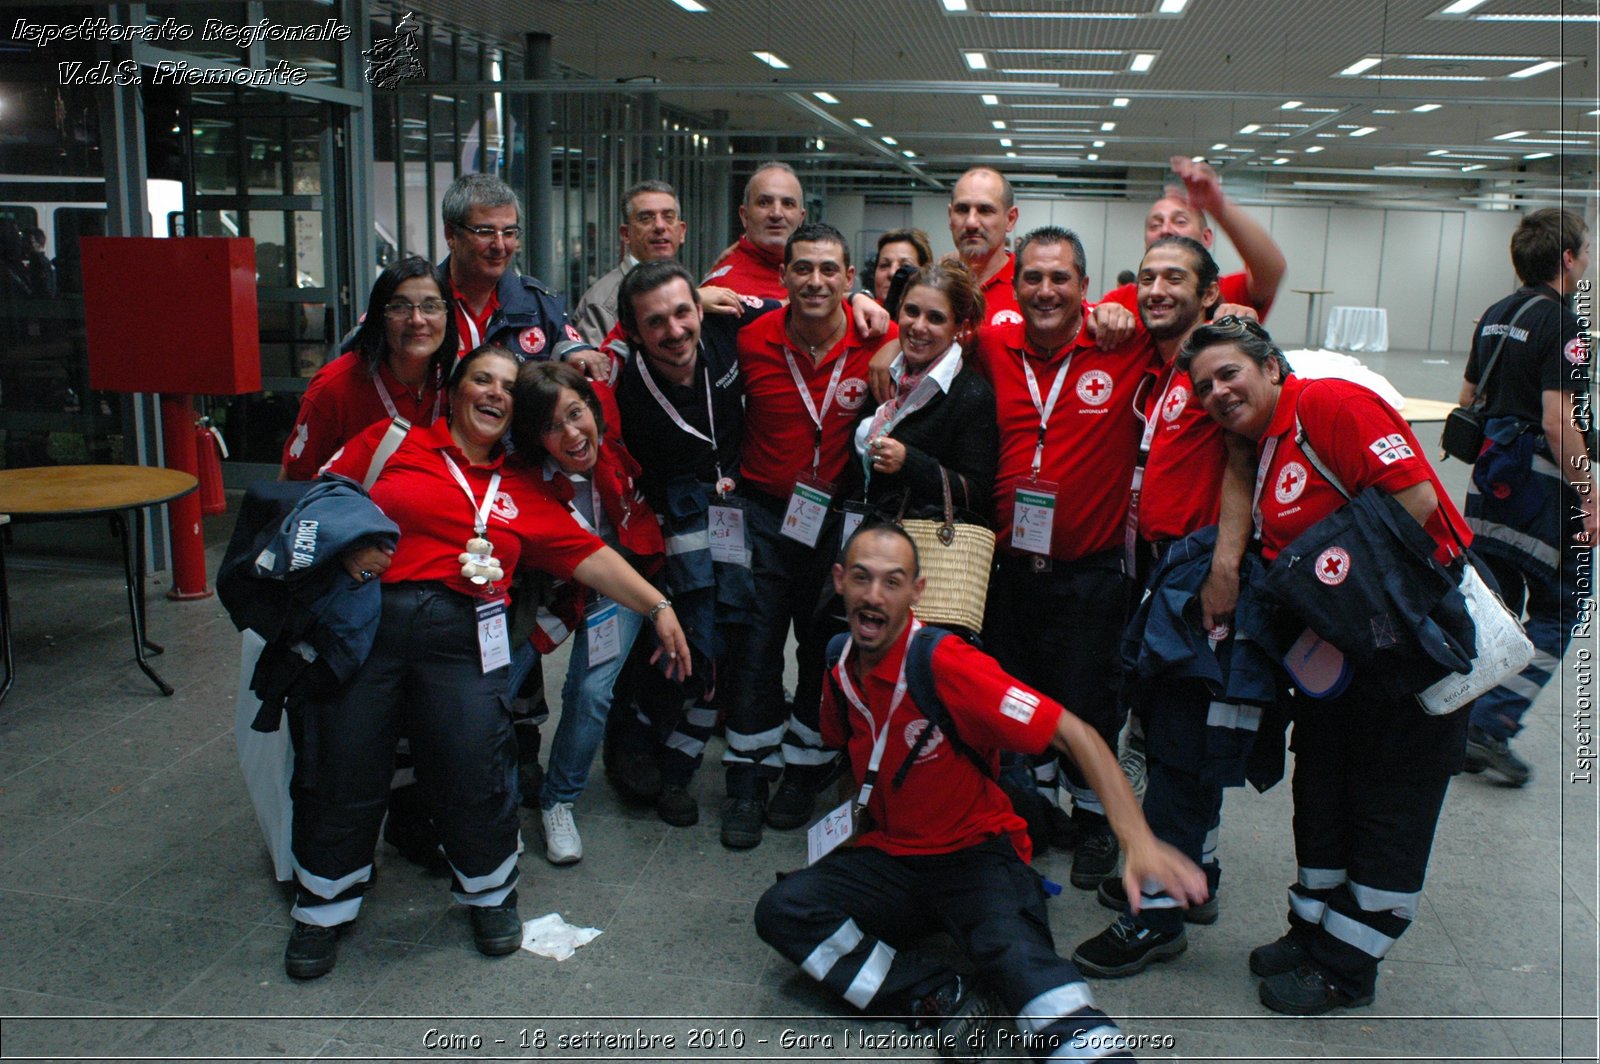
x,y
808,509
603,631
494,641
725,524
854,514
829,833
1033,517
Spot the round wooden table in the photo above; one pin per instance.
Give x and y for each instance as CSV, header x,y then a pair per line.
x,y
45,493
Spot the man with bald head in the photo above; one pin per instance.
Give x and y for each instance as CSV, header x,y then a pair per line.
x,y
983,212
773,208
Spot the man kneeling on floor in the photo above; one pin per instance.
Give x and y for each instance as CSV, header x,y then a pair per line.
x,y
936,845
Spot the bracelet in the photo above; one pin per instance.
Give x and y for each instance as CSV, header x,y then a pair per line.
x,y
664,604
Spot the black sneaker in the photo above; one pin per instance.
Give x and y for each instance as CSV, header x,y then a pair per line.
x,y
961,1017
1306,991
1112,895
1126,948
497,929
312,950
1484,751
1276,958
1094,859
793,803
677,806
741,822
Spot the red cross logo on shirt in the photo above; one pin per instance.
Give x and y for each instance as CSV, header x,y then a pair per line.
x,y
1177,399
1094,387
1291,482
852,392
1332,566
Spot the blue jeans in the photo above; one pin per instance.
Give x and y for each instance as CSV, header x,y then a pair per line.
x,y
1552,614
585,703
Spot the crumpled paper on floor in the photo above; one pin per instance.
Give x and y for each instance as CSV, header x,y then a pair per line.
x,y
551,936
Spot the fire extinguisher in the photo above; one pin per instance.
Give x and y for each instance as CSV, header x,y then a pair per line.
x,y
210,450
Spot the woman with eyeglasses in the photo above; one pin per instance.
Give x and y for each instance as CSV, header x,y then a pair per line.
x,y
1371,769
439,665
568,427
394,366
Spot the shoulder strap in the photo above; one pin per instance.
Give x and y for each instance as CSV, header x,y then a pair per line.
x,y
385,450
920,686
835,650
1304,442
1480,400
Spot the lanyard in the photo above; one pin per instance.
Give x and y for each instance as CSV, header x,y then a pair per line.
x,y
1045,409
677,418
480,511
811,408
880,737
388,402
1154,419
471,336
1268,449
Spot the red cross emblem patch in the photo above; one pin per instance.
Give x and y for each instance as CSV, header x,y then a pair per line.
x,y
852,393
1291,482
1094,387
1332,566
1177,399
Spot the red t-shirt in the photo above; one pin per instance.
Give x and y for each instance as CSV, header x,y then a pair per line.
x,y
1092,440
417,492
779,431
750,270
1000,296
342,400
1235,289
1362,440
945,803
1183,473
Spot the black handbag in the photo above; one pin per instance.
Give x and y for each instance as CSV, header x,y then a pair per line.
x,y
1464,426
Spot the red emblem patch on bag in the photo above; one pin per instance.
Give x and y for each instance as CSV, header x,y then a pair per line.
x,y
1332,566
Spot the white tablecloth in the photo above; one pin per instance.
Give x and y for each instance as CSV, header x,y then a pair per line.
x,y
1358,329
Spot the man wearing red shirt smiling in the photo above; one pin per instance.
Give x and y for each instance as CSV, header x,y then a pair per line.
x,y
805,387
773,208
936,845
1068,441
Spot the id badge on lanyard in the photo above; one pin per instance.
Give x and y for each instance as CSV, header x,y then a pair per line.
x,y
808,510
603,630
836,828
494,640
725,527
1033,517
854,514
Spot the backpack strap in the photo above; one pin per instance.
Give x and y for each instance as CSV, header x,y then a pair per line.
x,y
1480,398
385,450
920,686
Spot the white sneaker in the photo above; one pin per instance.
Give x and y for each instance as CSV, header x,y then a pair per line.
x,y
561,842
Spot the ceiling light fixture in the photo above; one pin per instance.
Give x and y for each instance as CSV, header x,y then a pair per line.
x,y
1279,161
862,122
1098,144
1172,7
909,154
976,60
1461,7
771,60
1360,66
1424,108
998,123
1537,155
1537,68
690,5
1440,151
1290,105
1005,142
1120,101
1313,149
1142,62
826,97
955,5
1093,157
1107,127
1513,135
1251,128
1363,131
889,141
991,100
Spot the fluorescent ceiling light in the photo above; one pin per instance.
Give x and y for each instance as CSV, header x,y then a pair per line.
x,y
1440,151
889,141
1111,15
955,5
1093,157
998,123
826,97
1537,155
1005,142
1107,127
690,5
1120,101
1011,155
1279,162
1251,128
1384,111
1426,77
1539,18
1474,166
1327,136
1424,108
1098,144
862,122
976,60
1142,62
771,60
1360,66
1363,131
1172,7
1537,68
1290,105
1219,146
1513,135
1461,7
991,100
909,154
1313,149
1453,58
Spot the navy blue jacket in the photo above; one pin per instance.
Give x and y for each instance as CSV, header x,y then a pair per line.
x,y
531,319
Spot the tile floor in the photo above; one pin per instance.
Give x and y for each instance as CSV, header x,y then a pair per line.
x,y
139,918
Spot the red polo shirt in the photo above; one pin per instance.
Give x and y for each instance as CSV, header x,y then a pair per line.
x,y
1092,440
1363,441
1000,296
472,329
779,431
1183,473
1235,289
945,803
750,270
342,400
417,492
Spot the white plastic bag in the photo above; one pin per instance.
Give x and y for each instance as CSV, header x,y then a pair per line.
x,y
1503,649
267,760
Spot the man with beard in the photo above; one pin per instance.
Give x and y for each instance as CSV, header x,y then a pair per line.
x,y
937,846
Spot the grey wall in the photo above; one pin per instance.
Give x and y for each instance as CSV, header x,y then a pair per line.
x,y
1434,271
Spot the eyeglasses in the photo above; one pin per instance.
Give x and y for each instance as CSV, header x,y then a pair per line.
x,y
400,310
573,418
488,232
1238,324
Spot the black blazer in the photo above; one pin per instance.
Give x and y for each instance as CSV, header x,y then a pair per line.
x,y
957,430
